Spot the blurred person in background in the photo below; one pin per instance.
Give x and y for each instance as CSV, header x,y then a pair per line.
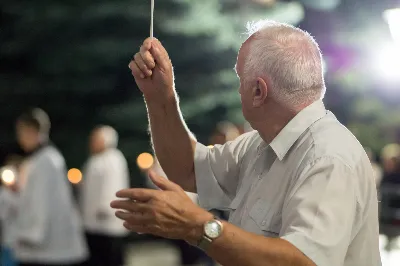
x,y
247,127
225,131
49,229
390,196
389,154
378,171
105,172
300,186
8,210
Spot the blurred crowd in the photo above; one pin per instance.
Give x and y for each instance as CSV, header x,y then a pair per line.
x,y
387,174
44,224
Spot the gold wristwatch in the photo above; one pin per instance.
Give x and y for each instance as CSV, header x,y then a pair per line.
x,y
211,231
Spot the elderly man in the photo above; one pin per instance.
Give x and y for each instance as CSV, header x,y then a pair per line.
x,y
300,187
105,173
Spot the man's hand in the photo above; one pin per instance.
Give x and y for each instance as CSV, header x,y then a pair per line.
x,y
168,212
152,70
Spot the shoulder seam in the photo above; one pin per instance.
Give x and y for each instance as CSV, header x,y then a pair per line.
x,y
331,157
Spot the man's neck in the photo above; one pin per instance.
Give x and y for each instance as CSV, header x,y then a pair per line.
x,y
273,123
99,152
37,147
268,130
276,118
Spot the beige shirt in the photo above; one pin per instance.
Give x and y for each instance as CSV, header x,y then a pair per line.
x,y
313,186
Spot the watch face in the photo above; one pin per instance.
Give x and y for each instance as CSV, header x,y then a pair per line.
x,y
213,229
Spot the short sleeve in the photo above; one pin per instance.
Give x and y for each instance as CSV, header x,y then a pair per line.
x,y
217,171
319,214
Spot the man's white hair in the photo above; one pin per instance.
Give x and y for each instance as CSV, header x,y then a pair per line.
x,y
289,57
110,136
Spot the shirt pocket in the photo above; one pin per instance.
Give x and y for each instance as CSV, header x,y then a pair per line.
x,y
234,210
266,217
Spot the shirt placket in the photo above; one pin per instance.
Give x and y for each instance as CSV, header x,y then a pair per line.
x,y
259,170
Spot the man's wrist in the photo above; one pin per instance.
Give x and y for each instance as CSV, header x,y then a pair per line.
x,y
197,229
156,100
162,108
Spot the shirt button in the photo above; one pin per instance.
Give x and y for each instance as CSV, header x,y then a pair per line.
x,y
263,223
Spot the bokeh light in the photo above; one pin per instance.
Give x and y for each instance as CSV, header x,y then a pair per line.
x,y
388,62
392,17
74,176
145,161
8,177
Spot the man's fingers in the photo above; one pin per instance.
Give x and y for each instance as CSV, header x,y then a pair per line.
x,y
147,44
136,72
163,183
156,43
139,194
160,55
142,65
144,228
140,229
147,58
129,205
151,53
134,218
136,229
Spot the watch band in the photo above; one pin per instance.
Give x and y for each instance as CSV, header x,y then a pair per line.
x,y
206,241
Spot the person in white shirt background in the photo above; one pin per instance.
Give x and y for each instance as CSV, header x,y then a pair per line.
x,y
49,231
105,172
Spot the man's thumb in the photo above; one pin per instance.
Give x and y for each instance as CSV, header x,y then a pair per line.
x,y
162,182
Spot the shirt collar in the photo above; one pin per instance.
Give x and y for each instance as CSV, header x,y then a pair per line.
x,y
296,127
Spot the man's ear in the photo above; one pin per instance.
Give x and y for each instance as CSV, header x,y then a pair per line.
x,y
260,92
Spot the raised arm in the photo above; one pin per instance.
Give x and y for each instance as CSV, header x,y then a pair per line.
x,y
172,141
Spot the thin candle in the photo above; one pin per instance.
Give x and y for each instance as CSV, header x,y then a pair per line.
x,y
152,20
